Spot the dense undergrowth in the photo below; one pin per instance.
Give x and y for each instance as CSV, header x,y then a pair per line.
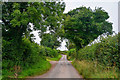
x,y
100,60
30,61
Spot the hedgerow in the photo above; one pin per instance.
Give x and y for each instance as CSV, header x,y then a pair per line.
x,y
30,54
104,52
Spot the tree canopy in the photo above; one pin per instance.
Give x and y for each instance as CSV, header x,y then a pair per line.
x,y
17,16
83,25
16,19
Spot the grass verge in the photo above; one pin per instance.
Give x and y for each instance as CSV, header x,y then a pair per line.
x,y
54,59
37,69
91,70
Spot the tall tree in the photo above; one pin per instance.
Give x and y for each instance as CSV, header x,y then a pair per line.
x,y
16,18
43,15
82,25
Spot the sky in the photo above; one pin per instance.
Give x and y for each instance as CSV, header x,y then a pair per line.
x,y
110,6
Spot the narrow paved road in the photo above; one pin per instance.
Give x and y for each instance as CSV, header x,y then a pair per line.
x,y
63,69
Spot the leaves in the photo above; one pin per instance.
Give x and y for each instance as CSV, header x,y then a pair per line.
x,y
50,40
18,47
16,6
16,13
82,25
15,23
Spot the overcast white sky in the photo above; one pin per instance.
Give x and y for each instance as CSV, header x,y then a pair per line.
x,y
110,6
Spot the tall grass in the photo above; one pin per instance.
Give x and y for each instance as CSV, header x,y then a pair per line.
x,y
89,69
38,69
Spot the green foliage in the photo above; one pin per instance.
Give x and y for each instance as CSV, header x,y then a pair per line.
x,y
100,60
50,52
31,54
70,45
54,59
50,40
37,69
63,52
71,54
105,52
17,16
82,25
87,53
18,49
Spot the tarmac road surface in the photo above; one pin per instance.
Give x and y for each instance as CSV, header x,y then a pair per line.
x,y
62,69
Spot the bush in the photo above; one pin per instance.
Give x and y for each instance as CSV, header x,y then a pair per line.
x,y
71,54
50,52
107,51
104,52
28,54
87,53
63,52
